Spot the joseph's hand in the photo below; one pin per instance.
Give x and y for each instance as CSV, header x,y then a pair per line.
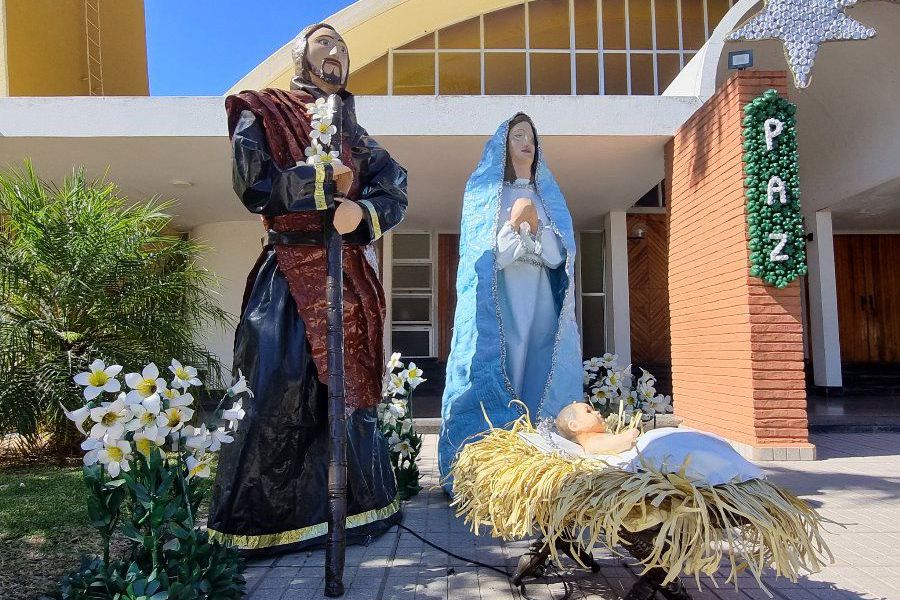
x,y
347,216
343,178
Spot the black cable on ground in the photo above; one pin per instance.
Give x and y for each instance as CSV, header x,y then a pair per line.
x,y
566,595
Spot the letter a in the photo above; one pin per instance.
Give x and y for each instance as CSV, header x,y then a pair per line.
x,y
776,186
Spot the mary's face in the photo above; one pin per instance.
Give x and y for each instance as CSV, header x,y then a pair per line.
x,y
521,144
328,59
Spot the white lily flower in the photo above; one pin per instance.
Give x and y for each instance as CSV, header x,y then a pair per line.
x,y
400,446
662,404
185,376
92,447
316,154
319,109
589,377
218,437
197,438
394,361
234,414
609,361
413,375
322,130
109,419
593,365
239,387
406,427
181,400
600,396
115,456
197,468
151,439
78,416
99,379
397,385
174,417
145,413
143,384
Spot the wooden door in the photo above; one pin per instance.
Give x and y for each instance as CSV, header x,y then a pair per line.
x,y
648,289
867,275
884,306
448,261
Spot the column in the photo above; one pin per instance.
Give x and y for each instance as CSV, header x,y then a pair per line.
x,y
618,311
823,309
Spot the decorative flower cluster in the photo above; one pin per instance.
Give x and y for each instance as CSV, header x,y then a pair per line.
x,y
775,223
322,123
615,395
395,419
153,416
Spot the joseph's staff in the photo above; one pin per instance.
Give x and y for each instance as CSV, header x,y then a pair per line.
x,y
337,421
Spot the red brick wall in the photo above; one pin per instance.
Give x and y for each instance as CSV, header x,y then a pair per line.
x,y
737,345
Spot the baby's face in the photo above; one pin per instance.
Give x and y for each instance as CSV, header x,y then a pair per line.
x,y
586,419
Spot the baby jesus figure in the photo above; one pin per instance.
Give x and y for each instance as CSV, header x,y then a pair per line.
x,y
580,423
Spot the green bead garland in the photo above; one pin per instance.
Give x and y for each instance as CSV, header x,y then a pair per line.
x,y
760,165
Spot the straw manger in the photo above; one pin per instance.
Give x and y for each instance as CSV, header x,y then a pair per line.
x,y
665,520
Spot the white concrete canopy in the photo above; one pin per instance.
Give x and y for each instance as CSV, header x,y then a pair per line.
x,y
605,151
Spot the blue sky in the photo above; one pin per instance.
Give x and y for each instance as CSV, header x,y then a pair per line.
x,y
202,47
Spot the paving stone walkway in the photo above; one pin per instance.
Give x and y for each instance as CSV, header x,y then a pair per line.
x,y
856,481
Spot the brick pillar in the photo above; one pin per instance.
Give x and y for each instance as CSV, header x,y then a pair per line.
x,y
737,344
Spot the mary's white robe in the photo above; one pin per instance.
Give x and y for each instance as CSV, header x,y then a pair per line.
x,y
529,312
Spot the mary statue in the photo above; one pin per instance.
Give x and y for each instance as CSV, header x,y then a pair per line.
x,y
515,335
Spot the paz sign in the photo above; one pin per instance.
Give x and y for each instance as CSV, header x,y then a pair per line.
x,y
772,186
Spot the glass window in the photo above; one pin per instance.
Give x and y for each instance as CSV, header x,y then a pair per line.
x,y
412,246
426,42
666,25
615,76
370,80
414,74
591,255
716,9
614,24
411,309
505,28
412,277
642,75
411,342
593,328
586,24
640,25
504,73
548,24
587,77
667,67
551,74
459,73
463,35
692,29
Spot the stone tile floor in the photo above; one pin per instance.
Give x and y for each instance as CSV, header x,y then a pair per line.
x,y
856,481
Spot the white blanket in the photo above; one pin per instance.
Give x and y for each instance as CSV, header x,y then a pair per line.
x,y
712,460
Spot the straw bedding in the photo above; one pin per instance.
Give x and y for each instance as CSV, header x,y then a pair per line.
x,y
518,491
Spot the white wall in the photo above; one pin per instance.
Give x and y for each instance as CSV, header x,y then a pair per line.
x,y
232,250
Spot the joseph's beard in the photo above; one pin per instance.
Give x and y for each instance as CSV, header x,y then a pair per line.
x,y
334,77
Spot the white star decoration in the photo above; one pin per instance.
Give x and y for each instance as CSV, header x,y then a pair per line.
x,y
803,25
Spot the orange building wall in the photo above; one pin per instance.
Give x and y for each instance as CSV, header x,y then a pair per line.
x,y
737,345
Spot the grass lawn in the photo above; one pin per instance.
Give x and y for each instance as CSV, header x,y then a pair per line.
x,y
44,528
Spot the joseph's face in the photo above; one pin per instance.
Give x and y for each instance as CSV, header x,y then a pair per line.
x,y
328,60
521,143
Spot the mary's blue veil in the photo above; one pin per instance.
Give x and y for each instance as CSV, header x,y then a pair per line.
x,y
476,373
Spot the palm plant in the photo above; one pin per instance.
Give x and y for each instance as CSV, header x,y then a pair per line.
x,y
83,275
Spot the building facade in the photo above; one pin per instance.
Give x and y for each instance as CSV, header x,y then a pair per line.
x,y
640,120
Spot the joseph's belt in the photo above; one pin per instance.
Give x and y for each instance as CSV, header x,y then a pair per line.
x,y
296,238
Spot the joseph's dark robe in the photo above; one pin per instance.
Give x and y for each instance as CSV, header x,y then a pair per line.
x,y
271,485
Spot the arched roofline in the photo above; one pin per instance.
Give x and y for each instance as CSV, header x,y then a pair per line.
x,y
365,26
698,78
